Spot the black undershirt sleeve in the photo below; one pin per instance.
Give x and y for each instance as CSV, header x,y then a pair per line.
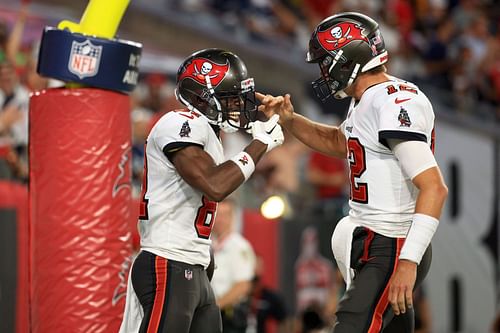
x,y
383,136
170,149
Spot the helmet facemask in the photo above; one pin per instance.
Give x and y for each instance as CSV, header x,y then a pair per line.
x,y
238,109
334,72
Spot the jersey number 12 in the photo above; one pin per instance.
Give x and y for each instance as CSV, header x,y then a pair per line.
x,y
357,164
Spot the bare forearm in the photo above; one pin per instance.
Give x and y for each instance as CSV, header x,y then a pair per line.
x,y
14,40
323,138
432,194
235,294
430,202
223,179
256,149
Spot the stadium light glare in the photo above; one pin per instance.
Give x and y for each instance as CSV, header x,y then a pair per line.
x,y
273,207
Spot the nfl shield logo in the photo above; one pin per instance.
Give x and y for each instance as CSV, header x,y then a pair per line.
x,y
188,274
84,59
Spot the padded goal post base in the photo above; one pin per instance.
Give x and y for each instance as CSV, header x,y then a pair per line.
x,y
80,200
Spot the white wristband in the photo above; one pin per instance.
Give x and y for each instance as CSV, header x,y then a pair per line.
x,y
245,162
419,237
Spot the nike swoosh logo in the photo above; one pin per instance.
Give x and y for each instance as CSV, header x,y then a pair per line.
x,y
271,130
398,101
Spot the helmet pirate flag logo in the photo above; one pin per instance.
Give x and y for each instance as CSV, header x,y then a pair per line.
x,y
340,35
198,69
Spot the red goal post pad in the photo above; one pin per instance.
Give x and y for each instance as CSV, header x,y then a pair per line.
x,y
80,199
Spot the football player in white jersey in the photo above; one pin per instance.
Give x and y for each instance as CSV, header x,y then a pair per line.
x,y
185,175
397,191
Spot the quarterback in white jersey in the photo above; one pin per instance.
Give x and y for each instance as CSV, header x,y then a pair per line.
x,y
382,195
397,192
185,175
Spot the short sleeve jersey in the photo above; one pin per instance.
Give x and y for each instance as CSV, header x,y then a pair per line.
x,y
235,260
176,219
382,196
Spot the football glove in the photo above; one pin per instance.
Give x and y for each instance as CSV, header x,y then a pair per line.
x,y
268,132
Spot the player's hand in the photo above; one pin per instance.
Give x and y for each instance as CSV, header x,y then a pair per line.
x,y
279,105
401,286
268,132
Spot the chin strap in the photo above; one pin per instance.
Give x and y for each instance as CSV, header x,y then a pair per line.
x,y
341,93
212,92
192,108
183,101
335,60
227,128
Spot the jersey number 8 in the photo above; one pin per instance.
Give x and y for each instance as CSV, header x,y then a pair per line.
x,y
204,218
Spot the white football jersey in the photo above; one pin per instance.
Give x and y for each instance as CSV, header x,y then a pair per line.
x,y
176,219
382,196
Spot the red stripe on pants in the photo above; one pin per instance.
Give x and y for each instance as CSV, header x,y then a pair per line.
x,y
161,285
367,243
383,302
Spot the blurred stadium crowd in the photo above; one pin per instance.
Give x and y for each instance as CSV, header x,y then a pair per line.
x,y
451,45
454,44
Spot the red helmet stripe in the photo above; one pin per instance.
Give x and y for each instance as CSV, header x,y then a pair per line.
x,y
199,68
340,35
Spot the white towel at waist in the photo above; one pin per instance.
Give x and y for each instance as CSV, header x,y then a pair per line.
x,y
341,247
133,314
